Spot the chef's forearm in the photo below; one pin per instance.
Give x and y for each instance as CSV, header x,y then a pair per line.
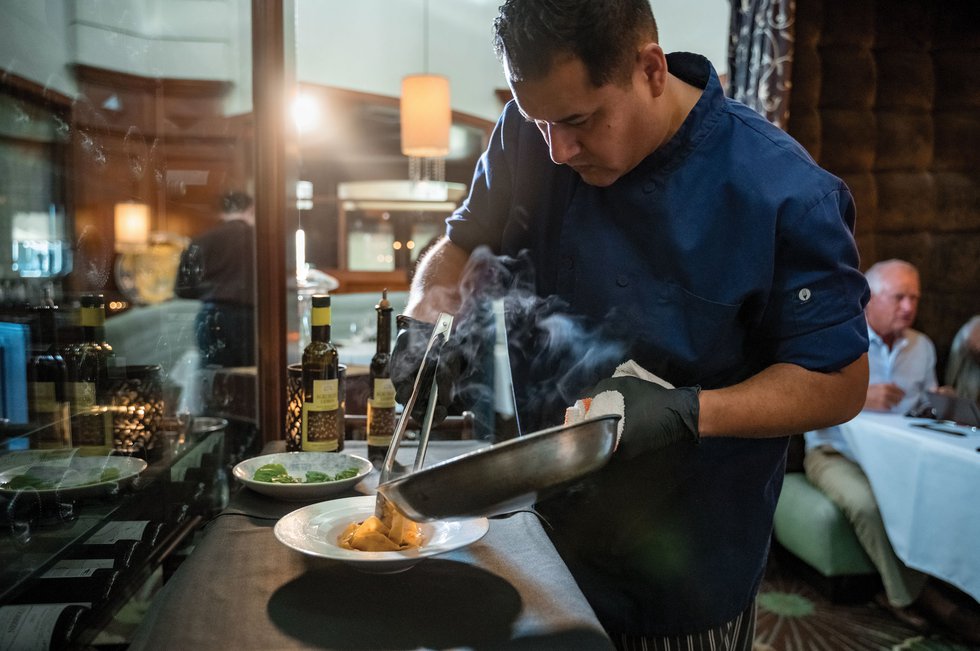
x,y
784,399
435,286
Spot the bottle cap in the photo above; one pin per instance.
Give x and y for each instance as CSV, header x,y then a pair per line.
x,y
383,304
321,300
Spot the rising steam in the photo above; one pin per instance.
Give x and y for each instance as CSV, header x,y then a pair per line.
x,y
555,356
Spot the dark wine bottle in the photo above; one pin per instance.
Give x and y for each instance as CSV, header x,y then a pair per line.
x,y
145,533
71,583
323,420
47,378
381,403
120,553
88,373
39,626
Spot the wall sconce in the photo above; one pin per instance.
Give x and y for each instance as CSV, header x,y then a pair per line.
x,y
147,264
132,221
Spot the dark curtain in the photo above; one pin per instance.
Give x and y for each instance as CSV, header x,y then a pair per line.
x,y
760,56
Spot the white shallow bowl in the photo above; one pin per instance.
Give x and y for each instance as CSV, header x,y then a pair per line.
x,y
297,464
75,476
314,530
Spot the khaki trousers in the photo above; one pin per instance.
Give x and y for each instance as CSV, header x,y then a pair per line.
x,y
847,486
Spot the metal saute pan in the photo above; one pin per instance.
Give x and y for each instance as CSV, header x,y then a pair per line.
x,y
504,477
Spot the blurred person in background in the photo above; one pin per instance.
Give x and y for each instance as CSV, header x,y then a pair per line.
x,y
963,365
902,366
218,268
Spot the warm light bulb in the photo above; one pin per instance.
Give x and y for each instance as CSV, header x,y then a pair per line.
x,y
132,225
305,112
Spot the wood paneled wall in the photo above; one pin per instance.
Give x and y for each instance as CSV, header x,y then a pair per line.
x,y
886,94
164,142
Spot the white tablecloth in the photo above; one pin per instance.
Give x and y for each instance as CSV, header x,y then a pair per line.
x,y
927,485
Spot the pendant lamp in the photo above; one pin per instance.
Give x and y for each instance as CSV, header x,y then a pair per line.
x,y
425,117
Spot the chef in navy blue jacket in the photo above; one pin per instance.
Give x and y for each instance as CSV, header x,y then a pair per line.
x,y
637,191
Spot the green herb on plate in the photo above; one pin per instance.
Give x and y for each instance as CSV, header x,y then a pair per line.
x,y
275,473
110,474
61,478
20,482
346,474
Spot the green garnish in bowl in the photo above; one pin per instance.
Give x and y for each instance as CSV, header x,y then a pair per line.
x,y
20,482
61,478
346,474
275,473
110,474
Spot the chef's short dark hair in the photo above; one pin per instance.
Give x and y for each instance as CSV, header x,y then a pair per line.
x,y
530,34
235,202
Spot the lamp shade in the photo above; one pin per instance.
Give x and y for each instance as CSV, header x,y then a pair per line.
x,y
425,116
132,221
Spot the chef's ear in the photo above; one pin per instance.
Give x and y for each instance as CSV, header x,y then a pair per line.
x,y
651,63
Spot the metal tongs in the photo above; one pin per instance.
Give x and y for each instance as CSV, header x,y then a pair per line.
x,y
430,360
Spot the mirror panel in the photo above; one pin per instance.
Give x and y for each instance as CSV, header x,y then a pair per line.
x,y
123,125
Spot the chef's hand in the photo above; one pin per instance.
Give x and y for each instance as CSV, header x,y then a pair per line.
x,y
406,358
654,417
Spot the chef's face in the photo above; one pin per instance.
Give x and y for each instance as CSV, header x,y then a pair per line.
x,y
600,132
893,307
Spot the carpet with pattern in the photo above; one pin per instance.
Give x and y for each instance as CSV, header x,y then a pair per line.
x,y
792,615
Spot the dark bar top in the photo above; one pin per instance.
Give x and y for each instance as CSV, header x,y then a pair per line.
x,y
242,588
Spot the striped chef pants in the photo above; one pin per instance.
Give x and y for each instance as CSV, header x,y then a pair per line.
x,y
736,635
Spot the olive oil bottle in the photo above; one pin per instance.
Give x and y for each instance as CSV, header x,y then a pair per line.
x,y
381,403
47,377
322,419
88,375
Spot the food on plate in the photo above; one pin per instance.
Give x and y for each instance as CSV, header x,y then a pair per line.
x,y
276,473
394,532
61,479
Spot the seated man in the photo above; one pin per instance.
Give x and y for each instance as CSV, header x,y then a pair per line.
x,y
963,365
902,366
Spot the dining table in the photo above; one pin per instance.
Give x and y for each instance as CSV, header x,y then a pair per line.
x,y
925,475
241,588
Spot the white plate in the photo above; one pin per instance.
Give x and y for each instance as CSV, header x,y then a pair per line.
x,y
75,476
297,464
314,530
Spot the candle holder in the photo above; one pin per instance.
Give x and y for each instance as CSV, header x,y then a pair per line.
x,y
294,403
137,407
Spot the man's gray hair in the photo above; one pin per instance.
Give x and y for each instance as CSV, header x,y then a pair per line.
x,y
875,273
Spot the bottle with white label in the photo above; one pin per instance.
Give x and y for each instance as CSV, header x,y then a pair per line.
x,y
40,626
47,378
86,581
144,531
322,418
121,553
88,372
381,403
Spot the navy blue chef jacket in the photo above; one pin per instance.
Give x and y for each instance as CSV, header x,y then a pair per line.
x,y
725,251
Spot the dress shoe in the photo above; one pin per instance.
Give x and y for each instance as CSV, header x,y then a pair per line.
x,y
907,615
